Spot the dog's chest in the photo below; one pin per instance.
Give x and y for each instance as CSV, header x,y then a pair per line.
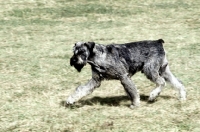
x,y
108,69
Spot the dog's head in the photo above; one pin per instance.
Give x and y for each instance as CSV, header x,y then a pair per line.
x,y
82,51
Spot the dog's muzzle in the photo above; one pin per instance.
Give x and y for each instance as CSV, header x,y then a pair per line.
x,y
75,62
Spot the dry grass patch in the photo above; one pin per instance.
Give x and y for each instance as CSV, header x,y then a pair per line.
x,y
36,40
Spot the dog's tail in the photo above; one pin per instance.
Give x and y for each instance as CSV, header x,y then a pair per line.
x,y
161,41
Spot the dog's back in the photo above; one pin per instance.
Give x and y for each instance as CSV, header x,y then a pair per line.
x,y
143,45
138,48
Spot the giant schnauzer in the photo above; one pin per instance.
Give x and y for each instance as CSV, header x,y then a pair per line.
x,y
122,61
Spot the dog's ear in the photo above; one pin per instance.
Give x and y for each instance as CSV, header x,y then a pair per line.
x,y
90,45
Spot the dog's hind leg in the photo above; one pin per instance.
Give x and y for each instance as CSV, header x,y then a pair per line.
x,y
131,90
151,70
160,83
170,78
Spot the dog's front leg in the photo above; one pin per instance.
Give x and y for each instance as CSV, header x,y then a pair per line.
x,y
82,91
131,90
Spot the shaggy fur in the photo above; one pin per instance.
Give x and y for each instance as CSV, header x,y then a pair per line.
x,y
121,62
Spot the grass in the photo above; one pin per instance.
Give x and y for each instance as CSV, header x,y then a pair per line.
x,y
36,40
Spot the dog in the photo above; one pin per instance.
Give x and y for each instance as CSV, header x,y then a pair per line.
x,y
121,62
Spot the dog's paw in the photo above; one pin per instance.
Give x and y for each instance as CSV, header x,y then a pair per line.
x,y
65,104
151,98
182,99
182,95
153,95
69,101
134,106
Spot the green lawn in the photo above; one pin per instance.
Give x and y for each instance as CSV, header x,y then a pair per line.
x,y
36,40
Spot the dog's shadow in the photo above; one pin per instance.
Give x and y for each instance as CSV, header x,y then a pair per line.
x,y
109,101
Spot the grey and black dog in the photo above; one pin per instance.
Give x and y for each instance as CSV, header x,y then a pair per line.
x,y
121,62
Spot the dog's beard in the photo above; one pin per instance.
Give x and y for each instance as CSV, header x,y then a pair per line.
x,y
78,67
77,63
